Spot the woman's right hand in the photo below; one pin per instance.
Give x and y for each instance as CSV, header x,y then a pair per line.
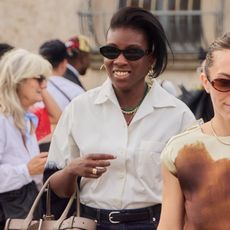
x,y
37,164
92,165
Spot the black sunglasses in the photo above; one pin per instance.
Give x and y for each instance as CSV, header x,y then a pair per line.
x,y
40,78
220,84
131,54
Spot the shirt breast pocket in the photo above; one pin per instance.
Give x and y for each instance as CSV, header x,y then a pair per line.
x,y
148,164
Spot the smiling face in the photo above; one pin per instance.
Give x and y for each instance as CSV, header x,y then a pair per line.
x,y
219,70
29,91
128,75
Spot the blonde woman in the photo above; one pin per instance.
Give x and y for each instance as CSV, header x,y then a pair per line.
x,y
22,80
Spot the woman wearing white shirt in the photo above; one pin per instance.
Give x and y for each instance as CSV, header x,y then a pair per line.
x,y
113,135
22,80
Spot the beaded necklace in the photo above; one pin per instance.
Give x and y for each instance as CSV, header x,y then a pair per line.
x,y
132,110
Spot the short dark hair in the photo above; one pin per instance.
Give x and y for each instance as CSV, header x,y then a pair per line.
x,y
54,51
5,47
143,20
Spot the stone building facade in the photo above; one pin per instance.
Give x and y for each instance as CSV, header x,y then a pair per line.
x,y
28,23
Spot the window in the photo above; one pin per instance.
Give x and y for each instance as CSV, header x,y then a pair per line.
x,y
188,25
181,20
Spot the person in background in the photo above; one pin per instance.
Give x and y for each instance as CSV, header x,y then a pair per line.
x,y
196,163
112,136
62,89
198,100
78,50
5,47
48,113
22,80
169,87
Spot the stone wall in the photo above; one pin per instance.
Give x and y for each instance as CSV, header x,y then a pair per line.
x,y
28,23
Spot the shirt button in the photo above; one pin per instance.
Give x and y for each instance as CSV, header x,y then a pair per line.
x,y
121,176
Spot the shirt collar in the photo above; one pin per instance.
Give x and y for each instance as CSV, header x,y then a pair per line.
x,y
106,93
30,117
74,70
158,97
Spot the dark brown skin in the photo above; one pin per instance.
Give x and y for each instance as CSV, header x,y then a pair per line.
x,y
63,182
84,166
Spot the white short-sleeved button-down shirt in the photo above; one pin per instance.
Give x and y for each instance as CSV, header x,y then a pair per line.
x,y
94,123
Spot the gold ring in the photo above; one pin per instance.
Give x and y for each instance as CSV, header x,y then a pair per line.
x,y
94,171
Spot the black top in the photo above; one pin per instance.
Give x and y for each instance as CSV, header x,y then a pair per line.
x,y
70,75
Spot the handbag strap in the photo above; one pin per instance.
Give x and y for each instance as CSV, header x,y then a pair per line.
x,y
78,201
29,217
65,212
76,195
48,215
59,89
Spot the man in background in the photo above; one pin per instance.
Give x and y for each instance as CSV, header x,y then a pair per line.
x,y
78,58
62,89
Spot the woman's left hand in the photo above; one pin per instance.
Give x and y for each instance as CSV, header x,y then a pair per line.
x,y
37,164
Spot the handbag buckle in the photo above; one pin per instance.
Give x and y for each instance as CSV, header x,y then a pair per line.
x,y
111,217
48,217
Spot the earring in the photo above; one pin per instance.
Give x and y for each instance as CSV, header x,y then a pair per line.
x,y
102,67
150,75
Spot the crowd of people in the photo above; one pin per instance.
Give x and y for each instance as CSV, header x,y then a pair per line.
x,y
33,94
136,151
